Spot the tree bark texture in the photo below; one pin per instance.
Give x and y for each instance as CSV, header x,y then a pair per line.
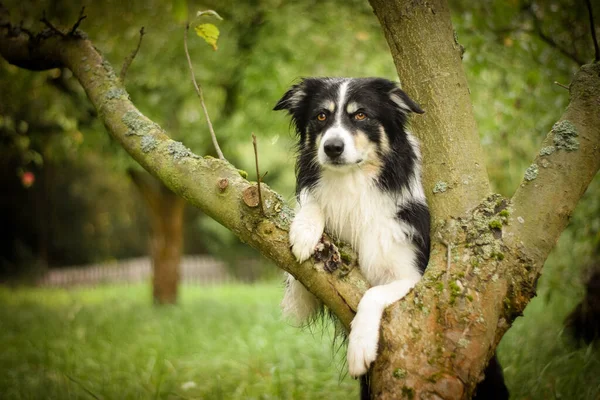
x,y
486,256
487,251
166,211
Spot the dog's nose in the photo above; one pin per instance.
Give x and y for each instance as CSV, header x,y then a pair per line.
x,y
334,147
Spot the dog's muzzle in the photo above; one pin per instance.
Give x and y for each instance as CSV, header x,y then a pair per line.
x,y
334,148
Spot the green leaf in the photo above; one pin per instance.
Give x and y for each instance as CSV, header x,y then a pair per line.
x,y
209,33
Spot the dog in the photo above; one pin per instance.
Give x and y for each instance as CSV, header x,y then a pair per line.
x,y
358,177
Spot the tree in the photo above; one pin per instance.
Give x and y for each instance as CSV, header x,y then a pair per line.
x,y
165,210
489,250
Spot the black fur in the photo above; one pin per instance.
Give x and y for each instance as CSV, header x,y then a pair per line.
x,y
417,215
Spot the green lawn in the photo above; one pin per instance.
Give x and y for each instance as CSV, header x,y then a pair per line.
x,y
226,342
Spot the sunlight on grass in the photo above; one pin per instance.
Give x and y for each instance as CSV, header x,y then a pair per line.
x,y
228,342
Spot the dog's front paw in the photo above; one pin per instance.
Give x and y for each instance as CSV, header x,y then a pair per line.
x,y
304,238
362,349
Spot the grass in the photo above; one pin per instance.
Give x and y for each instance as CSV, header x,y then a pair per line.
x,y
228,342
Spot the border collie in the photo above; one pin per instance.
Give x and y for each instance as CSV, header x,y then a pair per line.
x,y
358,177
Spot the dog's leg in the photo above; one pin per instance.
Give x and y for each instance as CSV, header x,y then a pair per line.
x,y
307,227
305,232
364,332
298,304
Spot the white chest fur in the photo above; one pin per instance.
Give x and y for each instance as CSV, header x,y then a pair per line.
x,y
357,212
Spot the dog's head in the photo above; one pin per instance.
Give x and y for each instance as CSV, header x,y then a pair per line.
x,y
348,122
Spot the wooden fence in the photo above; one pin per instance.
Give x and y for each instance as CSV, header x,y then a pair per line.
x,y
202,270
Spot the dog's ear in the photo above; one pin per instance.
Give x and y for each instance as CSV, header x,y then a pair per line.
x,y
291,98
404,103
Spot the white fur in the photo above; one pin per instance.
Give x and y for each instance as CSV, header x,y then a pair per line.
x,y
400,103
351,154
364,335
415,186
356,211
298,304
307,227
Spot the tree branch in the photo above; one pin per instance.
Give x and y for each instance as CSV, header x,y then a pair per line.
x,y
549,40
201,181
588,3
127,62
448,130
568,159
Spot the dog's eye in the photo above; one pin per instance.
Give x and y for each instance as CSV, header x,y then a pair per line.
x,y
322,116
360,116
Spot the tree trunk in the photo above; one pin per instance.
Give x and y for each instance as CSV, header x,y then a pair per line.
x,y
487,251
165,210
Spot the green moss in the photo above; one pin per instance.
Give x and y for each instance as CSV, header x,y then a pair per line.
x,y
455,291
495,224
243,173
507,304
400,373
532,172
435,377
440,187
345,257
565,135
504,213
454,288
439,286
408,393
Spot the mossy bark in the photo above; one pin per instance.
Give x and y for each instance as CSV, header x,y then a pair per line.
x,y
443,333
436,341
428,61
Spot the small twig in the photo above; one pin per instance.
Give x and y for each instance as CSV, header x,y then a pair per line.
x,y
127,62
26,31
593,29
262,208
549,40
561,85
199,92
49,25
76,25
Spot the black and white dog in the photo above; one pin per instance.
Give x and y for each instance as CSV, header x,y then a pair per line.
x,y
359,178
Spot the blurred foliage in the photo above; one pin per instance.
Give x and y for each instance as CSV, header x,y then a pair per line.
x,y
90,207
